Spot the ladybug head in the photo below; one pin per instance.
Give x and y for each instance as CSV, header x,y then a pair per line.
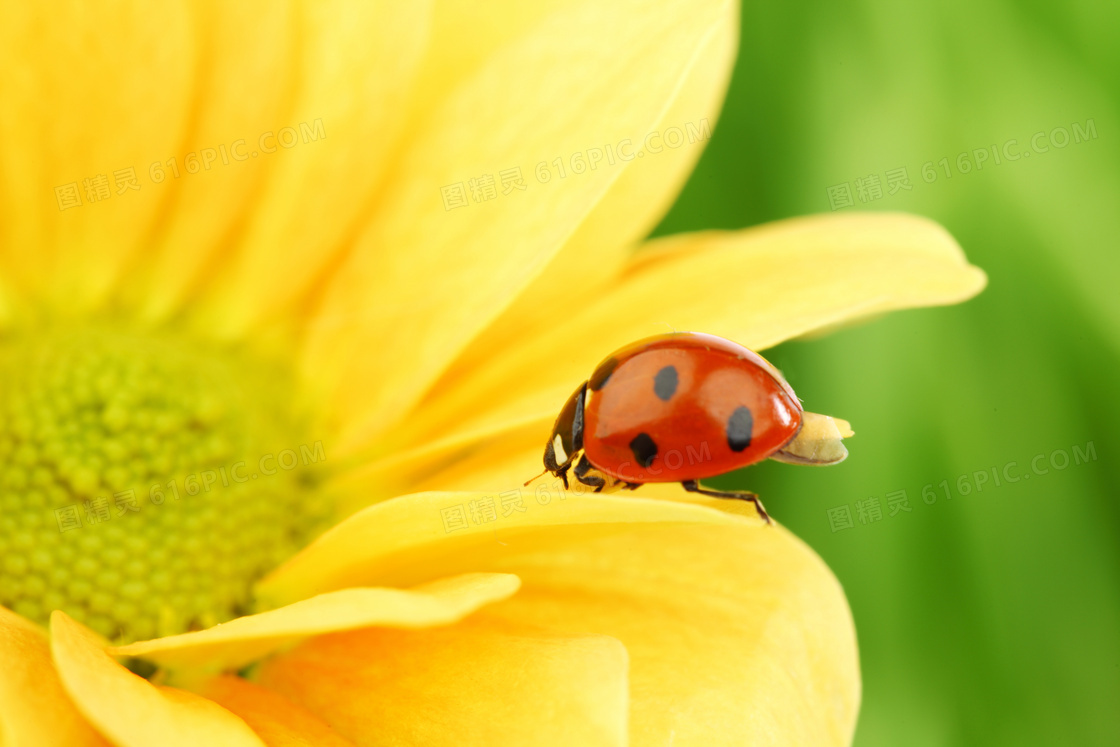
x,y
566,439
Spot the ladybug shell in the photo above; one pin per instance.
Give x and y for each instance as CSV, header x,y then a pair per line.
x,y
685,406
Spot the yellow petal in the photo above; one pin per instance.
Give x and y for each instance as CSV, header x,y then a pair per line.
x,y
590,260
357,63
500,463
276,720
644,189
454,56
423,280
477,682
246,639
87,92
244,91
128,709
438,465
757,287
401,540
34,709
5,305
737,632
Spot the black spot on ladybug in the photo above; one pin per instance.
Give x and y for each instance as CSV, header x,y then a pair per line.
x,y
665,383
739,427
602,373
644,449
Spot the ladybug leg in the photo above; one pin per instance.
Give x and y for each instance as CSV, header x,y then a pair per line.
x,y
582,473
562,473
693,487
588,474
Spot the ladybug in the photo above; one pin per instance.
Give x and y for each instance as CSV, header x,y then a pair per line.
x,y
684,407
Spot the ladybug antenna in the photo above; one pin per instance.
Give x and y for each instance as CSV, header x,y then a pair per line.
x,y
535,477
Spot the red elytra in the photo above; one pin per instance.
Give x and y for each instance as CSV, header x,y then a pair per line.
x,y
685,407
679,407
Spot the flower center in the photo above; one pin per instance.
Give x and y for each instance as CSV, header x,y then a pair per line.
x,y
144,483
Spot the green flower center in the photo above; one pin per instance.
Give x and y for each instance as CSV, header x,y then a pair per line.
x,y
145,484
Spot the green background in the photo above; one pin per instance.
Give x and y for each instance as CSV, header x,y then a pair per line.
x,y
991,618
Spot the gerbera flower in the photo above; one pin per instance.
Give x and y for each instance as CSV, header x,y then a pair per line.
x,y
380,244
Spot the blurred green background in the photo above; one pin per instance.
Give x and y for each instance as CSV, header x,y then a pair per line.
x,y
991,618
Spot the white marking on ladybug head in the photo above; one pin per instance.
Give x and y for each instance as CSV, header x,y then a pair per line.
x,y
558,449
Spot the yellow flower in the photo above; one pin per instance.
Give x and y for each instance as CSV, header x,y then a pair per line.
x,y
381,243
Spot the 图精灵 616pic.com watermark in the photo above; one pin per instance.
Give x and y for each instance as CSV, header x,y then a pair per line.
x,y
487,509
98,188
870,187
100,508
483,187
869,510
